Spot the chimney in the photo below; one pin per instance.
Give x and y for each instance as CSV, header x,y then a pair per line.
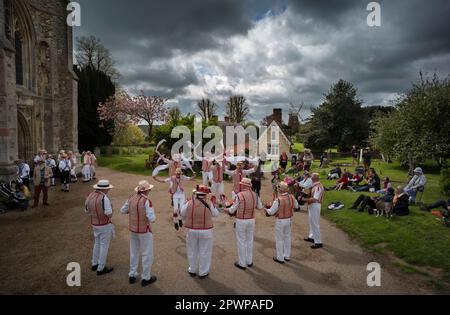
x,y
227,119
278,116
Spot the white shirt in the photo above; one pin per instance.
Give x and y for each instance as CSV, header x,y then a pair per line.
x,y
317,193
236,203
65,165
179,191
23,170
276,205
50,163
306,183
214,211
149,212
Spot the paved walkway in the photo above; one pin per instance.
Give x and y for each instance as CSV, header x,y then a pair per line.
x,y
37,245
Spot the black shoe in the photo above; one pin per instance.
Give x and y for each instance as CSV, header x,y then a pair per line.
x,y
193,275
287,260
105,271
250,265
94,268
310,240
317,246
132,280
278,261
423,208
204,277
176,226
145,283
180,223
236,264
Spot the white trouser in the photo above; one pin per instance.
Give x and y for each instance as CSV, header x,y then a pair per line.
x,y
73,173
217,190
86,173
102,238
179,199
141,245
199,244
244,237
283,238
206,177
92,172
314,222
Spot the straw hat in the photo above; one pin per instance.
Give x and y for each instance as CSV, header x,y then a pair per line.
x,y
283,186
201,190
62,151
246,182
178,171
143,186
43,151
307,151
103,184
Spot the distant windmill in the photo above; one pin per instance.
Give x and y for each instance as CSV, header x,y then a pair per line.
x,y
296,110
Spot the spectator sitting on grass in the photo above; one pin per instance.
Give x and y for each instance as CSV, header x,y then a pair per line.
x,y
386,184
335,173
372,183
401,202
342,182
355,179
363,201
440,204
417,183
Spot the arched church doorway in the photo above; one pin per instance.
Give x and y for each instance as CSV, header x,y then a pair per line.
x,y
25,148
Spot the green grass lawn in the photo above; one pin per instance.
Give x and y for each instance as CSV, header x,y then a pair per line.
x,y
419,241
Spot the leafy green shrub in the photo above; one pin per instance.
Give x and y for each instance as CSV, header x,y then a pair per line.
x,y
445,180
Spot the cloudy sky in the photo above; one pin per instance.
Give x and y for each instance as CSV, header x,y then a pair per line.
x,y
272,52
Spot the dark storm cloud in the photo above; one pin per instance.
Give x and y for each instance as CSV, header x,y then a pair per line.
x,y
272,51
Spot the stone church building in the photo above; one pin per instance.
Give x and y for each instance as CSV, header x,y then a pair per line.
x,y
38,88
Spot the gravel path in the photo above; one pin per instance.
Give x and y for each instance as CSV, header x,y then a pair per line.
x,y
37,245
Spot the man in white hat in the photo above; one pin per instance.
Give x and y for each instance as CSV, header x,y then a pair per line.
x,y
65,165
244,206
98,206
237,175
283,208
140,210
417,183
177,184
315,206
198,214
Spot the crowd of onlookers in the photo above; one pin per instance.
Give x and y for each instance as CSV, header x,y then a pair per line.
x,y
46,168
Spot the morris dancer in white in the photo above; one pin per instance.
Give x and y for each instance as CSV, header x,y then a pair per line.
x,y
198,214
86,171
141,214
74,162
206,169
244,206
176,190
93,164
237,175
98,206
217,186
283,208
315,205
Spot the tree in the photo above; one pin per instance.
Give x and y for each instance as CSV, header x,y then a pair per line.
x,y
237,109
94,87
173,115
207,108
130,135
90,52
125,109
340,120
419,128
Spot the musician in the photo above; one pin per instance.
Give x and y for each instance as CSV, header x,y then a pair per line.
x,y
198,214
140,214
315,205
283,208
244,206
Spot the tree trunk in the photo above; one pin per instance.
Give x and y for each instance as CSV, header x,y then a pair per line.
x,y
150,132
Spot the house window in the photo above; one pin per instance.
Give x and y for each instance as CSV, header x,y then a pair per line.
x,y
274,135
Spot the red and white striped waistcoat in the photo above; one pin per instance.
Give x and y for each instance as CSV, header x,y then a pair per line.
x,y
173,167
247,205
205,166
87,160
138,221
176,183
286,206
318,187
198,217
94,205
237,178
218,173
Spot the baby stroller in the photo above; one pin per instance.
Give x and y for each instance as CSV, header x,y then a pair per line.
x,y
11,198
